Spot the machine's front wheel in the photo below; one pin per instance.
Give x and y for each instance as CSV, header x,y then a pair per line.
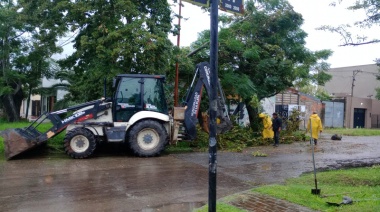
x,y
148,138
80,143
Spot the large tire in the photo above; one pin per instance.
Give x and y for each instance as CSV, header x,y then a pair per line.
x,y
80,143
148,138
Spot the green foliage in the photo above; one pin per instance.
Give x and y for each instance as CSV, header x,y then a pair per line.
x,y
293,122
359,184
65,103
259,154
263,61
378,93
28,37
179,147
323,95
115,37
263,53
315,90
290,137
234,140
300,136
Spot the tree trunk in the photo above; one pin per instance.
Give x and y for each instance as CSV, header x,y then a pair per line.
x,y
12,105
253,115
28,103
10,109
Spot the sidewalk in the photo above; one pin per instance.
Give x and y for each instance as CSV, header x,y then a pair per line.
x,y
251,201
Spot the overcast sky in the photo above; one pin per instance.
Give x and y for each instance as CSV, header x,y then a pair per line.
x,y
315,13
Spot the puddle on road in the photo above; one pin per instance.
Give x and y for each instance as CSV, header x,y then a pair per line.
x,y
179,207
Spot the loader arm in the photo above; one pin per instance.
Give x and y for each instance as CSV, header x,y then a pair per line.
x,y
19,140
193,100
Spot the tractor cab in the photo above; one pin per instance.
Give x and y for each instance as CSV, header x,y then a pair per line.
x,y
135,93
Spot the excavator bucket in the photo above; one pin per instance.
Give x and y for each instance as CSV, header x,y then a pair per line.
x,y
19,140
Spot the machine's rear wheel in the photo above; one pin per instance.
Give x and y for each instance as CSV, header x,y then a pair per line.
x,y
148,138
80,143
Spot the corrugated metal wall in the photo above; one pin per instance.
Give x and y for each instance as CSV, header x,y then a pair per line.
x,y
287,99
334,114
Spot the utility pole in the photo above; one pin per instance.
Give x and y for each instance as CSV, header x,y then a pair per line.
x,y
354,73
176,64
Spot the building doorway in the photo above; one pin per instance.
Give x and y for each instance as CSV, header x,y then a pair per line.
x,y
359,118
36,108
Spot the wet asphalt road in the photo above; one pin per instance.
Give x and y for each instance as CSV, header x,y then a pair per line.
x,y
175,182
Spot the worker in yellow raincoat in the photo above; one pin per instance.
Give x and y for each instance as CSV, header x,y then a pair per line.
x,y
267,122
316,126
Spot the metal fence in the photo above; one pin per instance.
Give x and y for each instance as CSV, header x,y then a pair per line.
x,y
334,114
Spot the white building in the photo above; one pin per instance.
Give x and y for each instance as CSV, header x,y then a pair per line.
x,y
40,104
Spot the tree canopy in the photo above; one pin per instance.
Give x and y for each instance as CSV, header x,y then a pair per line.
x,y
113,37
28,32
263,52
110,37
260,53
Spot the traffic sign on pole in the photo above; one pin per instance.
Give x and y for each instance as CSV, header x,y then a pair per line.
x,y
204,3
236,7
232,6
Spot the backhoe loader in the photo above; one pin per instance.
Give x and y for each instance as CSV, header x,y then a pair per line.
x,y
136,114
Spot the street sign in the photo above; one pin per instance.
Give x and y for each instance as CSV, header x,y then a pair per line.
x,y
232,6
204,3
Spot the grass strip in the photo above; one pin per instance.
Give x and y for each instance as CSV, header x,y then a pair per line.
x,y
360,184
353,132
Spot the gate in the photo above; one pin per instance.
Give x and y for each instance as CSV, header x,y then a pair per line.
x,y
334,114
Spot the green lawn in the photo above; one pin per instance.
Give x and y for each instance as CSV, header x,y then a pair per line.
x,y
353,132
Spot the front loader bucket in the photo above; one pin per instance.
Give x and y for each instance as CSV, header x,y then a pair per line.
x,y
18,140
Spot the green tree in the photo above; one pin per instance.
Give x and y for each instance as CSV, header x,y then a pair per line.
x,y
113,37
28,32
263,52
378,93
315,90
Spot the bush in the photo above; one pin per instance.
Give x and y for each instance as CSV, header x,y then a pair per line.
x,y
287,138
234,140
293,122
